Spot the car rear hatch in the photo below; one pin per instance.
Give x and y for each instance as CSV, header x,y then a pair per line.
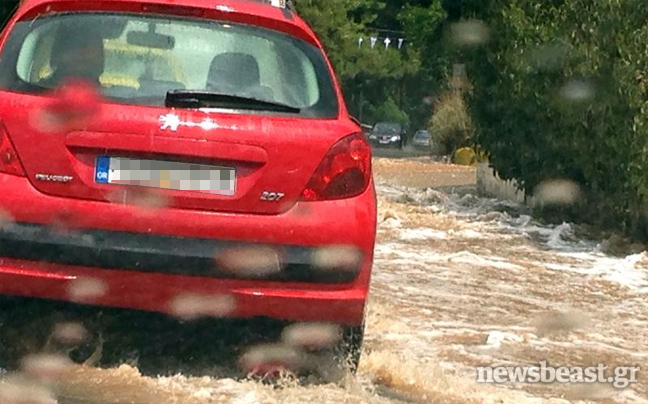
x,y
266,154
254,159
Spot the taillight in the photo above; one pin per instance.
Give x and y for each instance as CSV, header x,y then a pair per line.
x,y
345,171
9,163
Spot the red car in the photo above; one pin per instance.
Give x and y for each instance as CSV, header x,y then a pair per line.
x,y
190,157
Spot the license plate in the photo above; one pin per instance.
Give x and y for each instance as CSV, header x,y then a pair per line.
x,y
384,141
166,175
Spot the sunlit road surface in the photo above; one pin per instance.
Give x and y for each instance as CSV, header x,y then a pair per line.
x,y
459,281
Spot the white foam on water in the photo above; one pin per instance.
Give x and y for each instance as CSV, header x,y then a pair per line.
x,y
559,239
470,234
466,257
623,271
422,234
397,254
454,287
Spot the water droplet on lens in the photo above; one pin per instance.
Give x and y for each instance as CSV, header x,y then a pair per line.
x,y
271,358
46,366
70,333
147,199
549,57
192,306
43,121
559,322
63,223
116,196
557,192
470,32
312,336
6,219
20,390
86,289
344,258
73,106
578,91
250,261
590,391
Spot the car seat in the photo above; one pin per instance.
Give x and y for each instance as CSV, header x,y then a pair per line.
x,y
237,74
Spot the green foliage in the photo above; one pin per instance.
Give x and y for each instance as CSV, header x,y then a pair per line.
x,y
560,92
6,8
388,111
338,31
371,76
424,27
451,122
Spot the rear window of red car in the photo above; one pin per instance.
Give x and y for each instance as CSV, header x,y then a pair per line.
x,y
137,59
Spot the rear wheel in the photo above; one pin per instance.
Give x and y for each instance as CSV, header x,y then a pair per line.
x,y
350,347
335,363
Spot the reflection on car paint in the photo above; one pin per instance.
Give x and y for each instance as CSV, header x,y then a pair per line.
x,y
172,122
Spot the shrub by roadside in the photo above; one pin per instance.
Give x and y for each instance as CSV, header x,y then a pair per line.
x,y
560,93
452,123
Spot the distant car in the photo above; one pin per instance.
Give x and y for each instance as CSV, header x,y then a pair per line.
x,y
387,134
421,139
424,140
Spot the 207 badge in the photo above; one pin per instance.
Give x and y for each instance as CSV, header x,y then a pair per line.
x,y
272,196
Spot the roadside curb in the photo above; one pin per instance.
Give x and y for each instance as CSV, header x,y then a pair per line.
x,y
489,183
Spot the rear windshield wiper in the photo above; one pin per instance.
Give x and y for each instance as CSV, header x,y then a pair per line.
x,y
209,99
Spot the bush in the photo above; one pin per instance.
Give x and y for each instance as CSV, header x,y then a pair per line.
x,y
388,111
451,122
560,92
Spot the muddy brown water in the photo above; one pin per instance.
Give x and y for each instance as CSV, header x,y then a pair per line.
x,y
459,281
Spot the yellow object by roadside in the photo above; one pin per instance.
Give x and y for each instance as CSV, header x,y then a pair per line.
x,y
465,156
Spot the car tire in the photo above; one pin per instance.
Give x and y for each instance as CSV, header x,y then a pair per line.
x,y
339,361
349,348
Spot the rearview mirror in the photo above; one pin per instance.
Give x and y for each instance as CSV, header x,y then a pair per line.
x,y
150,40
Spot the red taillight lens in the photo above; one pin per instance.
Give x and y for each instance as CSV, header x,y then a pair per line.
x,y
345,171
9,163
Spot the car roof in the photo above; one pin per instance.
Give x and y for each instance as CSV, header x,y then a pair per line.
x,y
256,8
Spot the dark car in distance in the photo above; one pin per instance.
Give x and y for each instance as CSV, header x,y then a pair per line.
x,y
387,134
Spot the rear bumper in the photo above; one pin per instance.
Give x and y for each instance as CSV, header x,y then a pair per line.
x,y
147,259
202,257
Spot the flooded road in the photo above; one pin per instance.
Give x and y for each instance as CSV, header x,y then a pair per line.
x,y
459,281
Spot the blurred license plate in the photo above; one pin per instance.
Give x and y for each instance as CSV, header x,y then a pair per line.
x,y
166,175
384,141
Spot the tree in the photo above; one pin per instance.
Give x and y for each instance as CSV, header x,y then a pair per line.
x,y
369,77
560,92
6,8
